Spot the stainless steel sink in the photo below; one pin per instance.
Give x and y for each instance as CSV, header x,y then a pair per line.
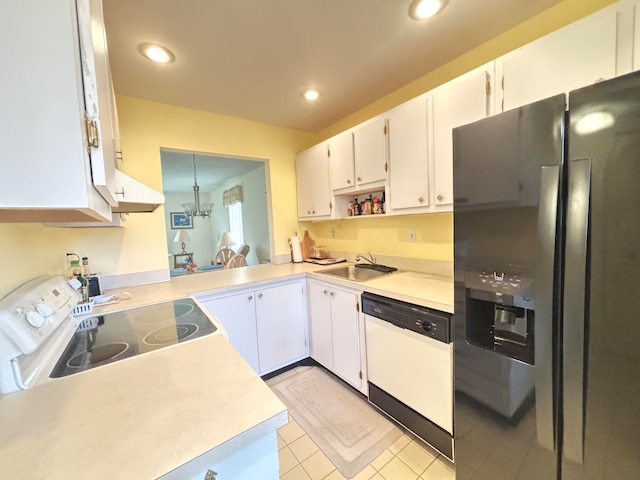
x,y
351,272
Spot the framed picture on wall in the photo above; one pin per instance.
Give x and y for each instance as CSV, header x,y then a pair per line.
x,y
180,220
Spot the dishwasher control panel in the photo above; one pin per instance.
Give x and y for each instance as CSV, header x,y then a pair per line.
x,y
422,320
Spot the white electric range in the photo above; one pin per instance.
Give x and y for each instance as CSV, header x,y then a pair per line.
x,y
41,341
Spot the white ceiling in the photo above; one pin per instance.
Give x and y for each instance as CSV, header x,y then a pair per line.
x,y
251,58
211,171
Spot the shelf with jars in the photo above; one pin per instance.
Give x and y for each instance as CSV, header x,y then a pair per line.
x,y
361,204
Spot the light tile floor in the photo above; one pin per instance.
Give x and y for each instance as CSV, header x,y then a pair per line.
x,y
408,458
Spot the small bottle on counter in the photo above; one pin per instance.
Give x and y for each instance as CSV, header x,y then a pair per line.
x,y
86,269
74,269
383,206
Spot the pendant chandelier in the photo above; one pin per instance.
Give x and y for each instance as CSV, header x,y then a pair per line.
x,y
196,209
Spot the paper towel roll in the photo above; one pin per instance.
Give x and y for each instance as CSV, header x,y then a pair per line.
x,y
296,250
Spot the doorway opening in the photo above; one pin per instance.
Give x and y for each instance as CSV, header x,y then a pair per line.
x,y
240,218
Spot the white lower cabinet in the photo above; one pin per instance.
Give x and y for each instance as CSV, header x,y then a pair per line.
x,y
281,326
237,313
266,326
336,332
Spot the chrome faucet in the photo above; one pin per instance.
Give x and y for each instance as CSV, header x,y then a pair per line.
x,y
371,259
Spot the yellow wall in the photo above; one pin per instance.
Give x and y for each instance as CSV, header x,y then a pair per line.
x,y
32,249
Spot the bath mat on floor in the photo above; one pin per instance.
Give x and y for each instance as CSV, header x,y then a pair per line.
x,y
346,428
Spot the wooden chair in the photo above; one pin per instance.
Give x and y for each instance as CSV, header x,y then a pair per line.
x,y
223,256
236,261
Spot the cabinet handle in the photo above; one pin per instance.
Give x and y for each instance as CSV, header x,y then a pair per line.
x,y
359,179
348,181
420,199
259,295
439,197
325,292
250,297
332,293
309,212
313,212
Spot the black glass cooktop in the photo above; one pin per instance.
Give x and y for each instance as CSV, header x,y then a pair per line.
x,y
114,336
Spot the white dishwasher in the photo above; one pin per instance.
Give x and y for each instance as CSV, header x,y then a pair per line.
x,y
410,367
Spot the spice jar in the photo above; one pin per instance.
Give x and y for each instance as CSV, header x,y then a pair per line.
x,y
376,206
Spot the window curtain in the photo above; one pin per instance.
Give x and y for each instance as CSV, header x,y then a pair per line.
x,y
232,196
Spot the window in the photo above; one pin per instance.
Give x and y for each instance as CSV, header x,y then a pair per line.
x,y
235,224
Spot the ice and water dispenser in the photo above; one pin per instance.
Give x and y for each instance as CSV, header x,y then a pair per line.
x,y
500,314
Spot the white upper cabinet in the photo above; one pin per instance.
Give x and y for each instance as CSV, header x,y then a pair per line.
x,y
408,154
575,56
312,180
341,161
370,153
461,101
60,164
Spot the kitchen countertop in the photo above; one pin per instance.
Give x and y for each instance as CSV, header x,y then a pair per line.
x,y
140,418
90,422
423,289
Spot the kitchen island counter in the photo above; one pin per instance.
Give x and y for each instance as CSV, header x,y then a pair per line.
x,y
140,418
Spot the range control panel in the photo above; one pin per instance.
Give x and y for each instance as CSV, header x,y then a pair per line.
x,y
422,320
29,314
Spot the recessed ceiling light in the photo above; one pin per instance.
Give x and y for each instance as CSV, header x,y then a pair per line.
x,y
156,53
311,94
421,9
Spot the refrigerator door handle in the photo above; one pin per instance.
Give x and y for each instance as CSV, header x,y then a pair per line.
x,y
544,312
575,307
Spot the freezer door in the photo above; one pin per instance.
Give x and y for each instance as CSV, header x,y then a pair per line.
x,y
602,278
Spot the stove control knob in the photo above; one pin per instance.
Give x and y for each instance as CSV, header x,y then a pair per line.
x,y
34,319
426,326
43,309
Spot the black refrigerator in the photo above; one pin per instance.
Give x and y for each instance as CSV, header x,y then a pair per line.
x,y
547,289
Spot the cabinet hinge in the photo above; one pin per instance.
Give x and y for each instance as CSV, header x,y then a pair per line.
x,y
357,306
488,88
92,132
360,374
384,129
329,152
330,205
386,166
502,82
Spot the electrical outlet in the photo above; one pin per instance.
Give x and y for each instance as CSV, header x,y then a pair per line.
x,y
412,234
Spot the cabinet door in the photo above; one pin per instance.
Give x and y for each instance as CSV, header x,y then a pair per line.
x,y
341,161
456,104
408,176
46,172
572,57
312,180
98,96
237,314
369,152
320,331
346,335
304,177
281,326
